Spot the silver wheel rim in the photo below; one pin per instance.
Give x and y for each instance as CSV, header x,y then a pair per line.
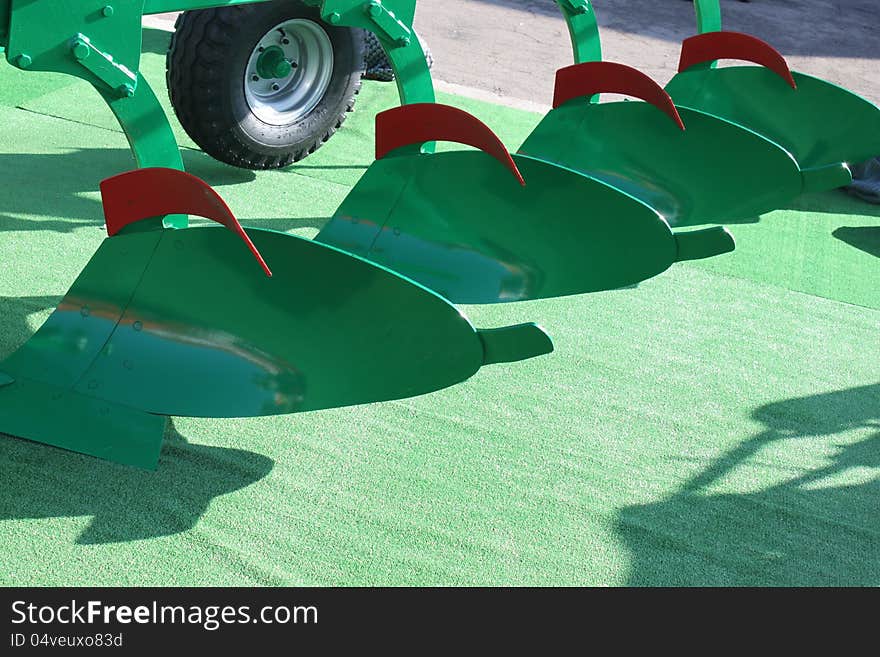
x,y
282,101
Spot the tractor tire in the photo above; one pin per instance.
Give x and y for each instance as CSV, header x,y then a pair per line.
x,y
377,64
248,109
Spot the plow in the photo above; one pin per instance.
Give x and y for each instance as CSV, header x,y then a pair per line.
x,y
253,322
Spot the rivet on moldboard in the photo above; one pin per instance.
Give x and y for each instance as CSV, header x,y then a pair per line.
x,y
138,325
397,232
85,311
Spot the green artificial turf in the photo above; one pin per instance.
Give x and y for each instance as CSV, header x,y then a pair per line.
x,y
715,425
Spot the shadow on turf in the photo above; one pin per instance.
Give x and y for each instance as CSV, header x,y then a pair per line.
x,y
126,504
835,201
814,527
866,238
13,320
155,41
69,176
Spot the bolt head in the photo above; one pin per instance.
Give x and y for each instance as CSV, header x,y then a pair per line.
x,y
80,50
23,60
107,11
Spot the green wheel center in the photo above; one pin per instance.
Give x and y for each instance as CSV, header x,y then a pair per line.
x,y
272,64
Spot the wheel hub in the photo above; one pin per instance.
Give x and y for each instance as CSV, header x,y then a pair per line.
x,y
288,72
272,64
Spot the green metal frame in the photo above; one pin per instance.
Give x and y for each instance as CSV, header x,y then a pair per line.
x,y
100,42
584,29
708,15
756,99
390,20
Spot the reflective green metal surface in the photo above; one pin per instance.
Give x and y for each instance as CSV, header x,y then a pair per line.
x,y
61,417
72,337
819,123
708,15
514,343
583,29
461,224
239,344
711,172
183,323
42,36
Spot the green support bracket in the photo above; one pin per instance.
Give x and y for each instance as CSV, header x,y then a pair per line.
x,y
391,21
150,137
43,36
115,75
708,20
101,43
708,15
387,22
585,41
584,31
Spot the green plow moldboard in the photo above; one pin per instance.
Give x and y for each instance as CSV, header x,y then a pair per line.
x,y
689,166
823,126
487,227
185,322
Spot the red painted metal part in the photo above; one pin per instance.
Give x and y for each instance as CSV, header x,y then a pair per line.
x,y
423,122
712,46
592,78
144,193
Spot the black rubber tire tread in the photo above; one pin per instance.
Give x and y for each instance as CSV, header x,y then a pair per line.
x,y
201,70
377,64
